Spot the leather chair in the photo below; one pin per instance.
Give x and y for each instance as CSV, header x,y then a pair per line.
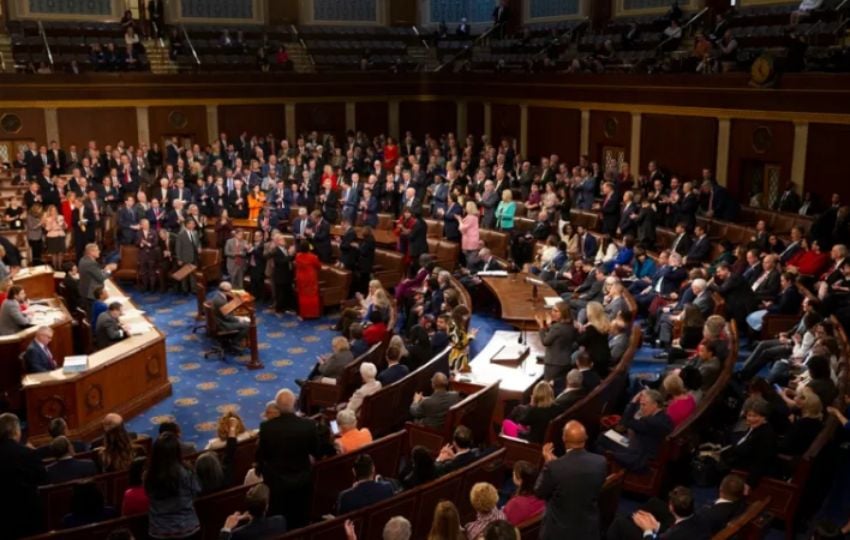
x,y
389,267
223,338
435,228
128,266
498,242
334,285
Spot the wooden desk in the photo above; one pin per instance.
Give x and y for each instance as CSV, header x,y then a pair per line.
x,y
127,378
517,382
514,294
383,237
37,281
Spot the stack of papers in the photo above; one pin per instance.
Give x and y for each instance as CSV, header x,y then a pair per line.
x,y
139,328
493,273
552,301
75,364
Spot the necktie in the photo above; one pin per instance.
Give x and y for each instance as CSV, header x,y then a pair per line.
x,y
49,357
759,281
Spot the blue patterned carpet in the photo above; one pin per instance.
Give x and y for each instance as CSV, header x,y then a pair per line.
x,y
204,389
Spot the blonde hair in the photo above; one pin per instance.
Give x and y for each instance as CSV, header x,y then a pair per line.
x,y
381,298
673,385
223,428
339,343
810,404
398,342
483,497
507,195
543,395
471,208
446,523
597,318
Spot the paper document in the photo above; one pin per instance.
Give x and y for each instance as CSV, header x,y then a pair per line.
x,y
75,364
552,301
493,273
622,440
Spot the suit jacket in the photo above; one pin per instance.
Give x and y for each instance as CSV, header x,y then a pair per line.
x,y
717,515
559,341
489,202
788,303
322,241
683,245
687,211
12,320
418,239
627,225
65,470
590,379
348,252
754,452
36,359
571,485
610,214
688,529
186,249
22,472
257,529
568,398
458,462
363,494
588,246
92,276
789,201
705,303
699,250
283,453
107,331
769,287
618,345
431,411
645,437
739,297
451,227
225,322
671,279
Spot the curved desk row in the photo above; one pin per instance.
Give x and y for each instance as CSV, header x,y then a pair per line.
x,y
127,378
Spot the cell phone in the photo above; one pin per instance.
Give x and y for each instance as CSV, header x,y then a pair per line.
x,y
334,427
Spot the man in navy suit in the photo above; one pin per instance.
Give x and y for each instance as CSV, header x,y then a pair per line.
x,y
646,425
349,200
367,490
571,485
66,467
685,526
394,370
321,237
610,209
666,281
255,524
38,357
700,249
22,473
587,243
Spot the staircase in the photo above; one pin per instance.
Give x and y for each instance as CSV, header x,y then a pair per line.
x,y
425,58
300,58
6,54
158,57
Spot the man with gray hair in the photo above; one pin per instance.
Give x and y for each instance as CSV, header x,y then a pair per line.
x,y
646,425
572,393
350,438
286,445
22,473
229,322
397,528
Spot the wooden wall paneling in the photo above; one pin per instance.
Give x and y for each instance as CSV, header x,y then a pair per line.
x,y
105,125
753,141
22,124
505,122
182,120
682,145
372,117
281,13
554,131
421,117
255,119
474,119
403,12
609,129
827,169
321,117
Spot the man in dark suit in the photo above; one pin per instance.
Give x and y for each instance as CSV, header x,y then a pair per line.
x,y
558,336
700,250
66,467
686,208
727,507
738,295
255,524
793,246
417,238
610,209
789,201
431,411
282,277
766,286
628,217
56,159
647,425
685,526
571,485
109,329
586,243
590,378
128,222
321,237
394,371
22,473
286,445
367,489
488,202
92,275
458,454
347,250
37,357
682,242
350,200
573,392
229,322
59,428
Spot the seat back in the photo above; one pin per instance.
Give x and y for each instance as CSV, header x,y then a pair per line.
x,y
497,242
435,228
389,267
210,264
737,527
335,284
214,508
128,265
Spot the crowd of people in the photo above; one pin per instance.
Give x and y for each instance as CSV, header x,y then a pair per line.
x,y
293,192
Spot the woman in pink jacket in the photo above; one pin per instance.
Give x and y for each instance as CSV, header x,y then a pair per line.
x,y
470,239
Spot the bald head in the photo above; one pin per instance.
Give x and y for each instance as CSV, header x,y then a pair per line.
x,y
285,401
439,381
574,435
112,421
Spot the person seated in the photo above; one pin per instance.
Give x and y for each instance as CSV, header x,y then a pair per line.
x,y
12,316
484,499
109,328
574,390
368,488
806,425
357,344
701,297
395,371
210,470
66,467
707,363
619,335
683,525
431,411
590,377
99,305
458,453
524,504
229,322
57,427
530,421
440,336
350,438
135,499
485,262
377,330
227,422
700,250
330,366
420,468
370,385
646,425
186,448
37,356
681,404
788,302
87,506
621,263
591,290
254,522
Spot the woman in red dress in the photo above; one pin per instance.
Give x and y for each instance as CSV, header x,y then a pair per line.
x,y
307,267
390,154
328,174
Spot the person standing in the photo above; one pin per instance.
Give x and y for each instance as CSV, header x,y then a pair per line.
x,y
171,487
149,256
282,275
307,266
22,473
256,259
186,248
286,444
54,228
558,335
236,251
92,275
571,485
